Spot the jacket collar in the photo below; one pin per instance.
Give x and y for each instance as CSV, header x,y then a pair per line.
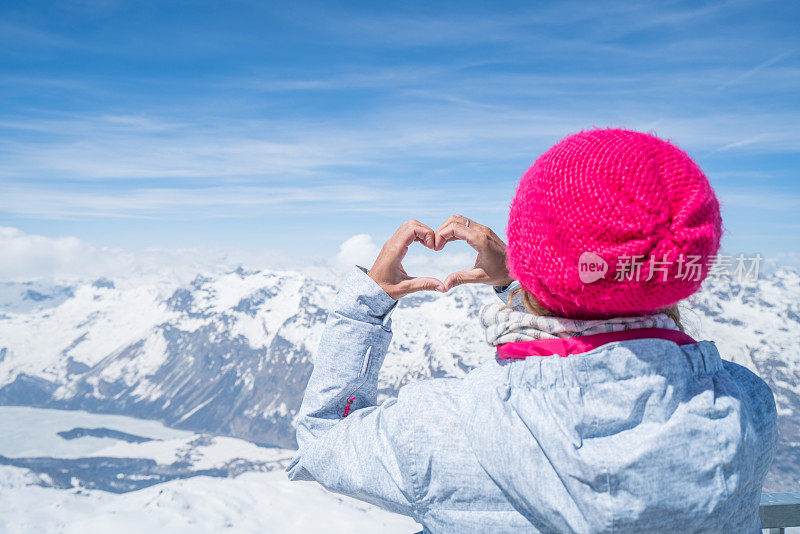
x,y
578,345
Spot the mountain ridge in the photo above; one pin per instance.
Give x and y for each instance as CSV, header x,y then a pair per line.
x,y
230,353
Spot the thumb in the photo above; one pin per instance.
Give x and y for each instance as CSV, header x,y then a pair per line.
x,y
469,276
413,285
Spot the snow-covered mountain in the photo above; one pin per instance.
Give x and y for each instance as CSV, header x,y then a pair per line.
x,y
230,353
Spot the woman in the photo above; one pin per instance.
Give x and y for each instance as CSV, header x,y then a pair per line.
x,y
598,414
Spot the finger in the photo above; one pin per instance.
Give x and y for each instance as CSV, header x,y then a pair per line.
x,y
463,220
413,285
468,276
425,235
413,230
440,243
453,218
454,231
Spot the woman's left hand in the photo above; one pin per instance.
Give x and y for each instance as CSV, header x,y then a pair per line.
x,y
388,272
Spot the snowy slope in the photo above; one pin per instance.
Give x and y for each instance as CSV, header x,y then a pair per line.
x,y
262,503
55,484
33,432
230,353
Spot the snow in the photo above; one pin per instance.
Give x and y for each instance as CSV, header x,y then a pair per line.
x,y
32,431
261,328
212,452
249,503
85,328
119,332
252,502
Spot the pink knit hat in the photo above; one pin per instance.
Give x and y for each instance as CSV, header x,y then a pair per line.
x,y
612,223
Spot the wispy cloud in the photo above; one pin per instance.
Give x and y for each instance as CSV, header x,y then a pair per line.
x,y
602,29
17,36
737,144
229,202
137,147
755,70
762,201
370,112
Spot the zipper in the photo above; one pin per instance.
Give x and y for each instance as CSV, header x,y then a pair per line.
x,y
347,406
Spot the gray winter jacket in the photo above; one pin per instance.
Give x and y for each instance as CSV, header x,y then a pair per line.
x,y
635,436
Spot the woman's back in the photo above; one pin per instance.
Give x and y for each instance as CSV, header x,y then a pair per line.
x,y
636,436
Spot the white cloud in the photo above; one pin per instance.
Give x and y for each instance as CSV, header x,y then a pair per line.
x,y
28,256
34,257
358,250
784,259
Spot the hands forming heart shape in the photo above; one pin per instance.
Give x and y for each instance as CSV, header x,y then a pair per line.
x,y
490,265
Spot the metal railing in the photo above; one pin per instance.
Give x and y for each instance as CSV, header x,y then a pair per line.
x,y
779,511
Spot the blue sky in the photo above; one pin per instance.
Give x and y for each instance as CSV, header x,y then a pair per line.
x,y
294,126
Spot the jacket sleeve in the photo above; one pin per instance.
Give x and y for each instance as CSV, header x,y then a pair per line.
x,y
346,442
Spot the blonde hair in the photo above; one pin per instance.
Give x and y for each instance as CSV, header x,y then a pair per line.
x,y
531,305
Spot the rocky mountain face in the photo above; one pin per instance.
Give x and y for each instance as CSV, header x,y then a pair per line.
x,y
230,353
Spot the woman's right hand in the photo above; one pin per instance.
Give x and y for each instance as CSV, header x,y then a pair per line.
x,y
490,265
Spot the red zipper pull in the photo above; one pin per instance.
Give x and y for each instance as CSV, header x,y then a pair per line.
x,y
347,406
